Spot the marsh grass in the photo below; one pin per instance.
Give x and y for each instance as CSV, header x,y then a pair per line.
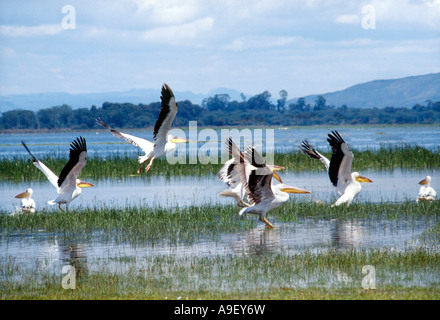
x,y
22,169
311,276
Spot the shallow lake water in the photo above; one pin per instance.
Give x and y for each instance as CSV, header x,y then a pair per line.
x,y
42,251
181,191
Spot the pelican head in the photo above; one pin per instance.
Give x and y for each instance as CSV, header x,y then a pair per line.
x,y
289,189
25,194
426,181
175,139
356,176
83,184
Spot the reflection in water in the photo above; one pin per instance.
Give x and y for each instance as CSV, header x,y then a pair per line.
x,y
259,240
75,255
347,233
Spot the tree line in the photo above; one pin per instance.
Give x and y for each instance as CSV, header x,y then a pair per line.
x,y
219,110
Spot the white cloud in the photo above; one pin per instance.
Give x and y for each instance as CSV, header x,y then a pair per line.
x,y
180,33
171,12
261,42
30,31
348,19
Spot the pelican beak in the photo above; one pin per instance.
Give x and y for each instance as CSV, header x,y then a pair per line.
x,y
179,140
276,176
23,195
276,168
363,179
84,184
290,189
423,182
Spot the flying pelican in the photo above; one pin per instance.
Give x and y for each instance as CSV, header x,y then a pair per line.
x,y
339,168
68,185
426,192
163,142
229,174
27,203
262,194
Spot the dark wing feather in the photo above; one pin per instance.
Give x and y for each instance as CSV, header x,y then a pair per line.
x,y
34,159
76,148
167,112
335,142
307,149
259,182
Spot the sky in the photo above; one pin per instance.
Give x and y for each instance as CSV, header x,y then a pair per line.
x,y
303,47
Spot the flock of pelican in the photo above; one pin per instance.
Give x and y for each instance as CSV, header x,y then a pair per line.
x,y
246,174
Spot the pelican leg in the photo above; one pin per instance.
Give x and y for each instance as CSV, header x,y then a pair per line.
x,y
140,168
59,206
263,219
149,165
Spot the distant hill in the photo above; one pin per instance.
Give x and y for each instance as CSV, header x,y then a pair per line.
x,y
39,101
403,92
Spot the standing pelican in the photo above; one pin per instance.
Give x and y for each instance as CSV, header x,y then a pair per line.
x,y
68,185
229,173
262,194
27,203
426,192
163,142
339,168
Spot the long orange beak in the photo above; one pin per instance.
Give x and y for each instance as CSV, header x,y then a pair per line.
x,y
363,179
84,184
23,195
290,189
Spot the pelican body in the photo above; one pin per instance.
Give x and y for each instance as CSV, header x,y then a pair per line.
x,y
163,142
27,203
426,192
339,168
257,180
67,184
229,173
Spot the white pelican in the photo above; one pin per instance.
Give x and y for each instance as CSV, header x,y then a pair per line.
x,y
262,194
229,174
339,168
68,185
163,142
27,203
426,192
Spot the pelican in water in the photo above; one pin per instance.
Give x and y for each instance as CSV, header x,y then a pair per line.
x,y
163,142
27,203
426,192
262,194
67,184
339,168
229,173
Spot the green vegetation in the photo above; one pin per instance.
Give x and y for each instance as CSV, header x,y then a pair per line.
x,y
22,169
327,274
220,111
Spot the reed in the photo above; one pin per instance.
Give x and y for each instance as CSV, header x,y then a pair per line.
x,y
21,169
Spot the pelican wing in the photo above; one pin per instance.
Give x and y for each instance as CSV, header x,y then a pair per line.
x,y
77,161
166,116
340,163
52,177
307,149
259,182
145,145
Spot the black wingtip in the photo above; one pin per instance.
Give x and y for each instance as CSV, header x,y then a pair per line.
x,y
102,123
34,159
166,94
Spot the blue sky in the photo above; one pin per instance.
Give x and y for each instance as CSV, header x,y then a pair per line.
x,y
304,47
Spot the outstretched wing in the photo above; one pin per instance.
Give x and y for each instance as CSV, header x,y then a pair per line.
x,y
77,161
145,145
259,181
167,114
42,167
307,149
340,163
